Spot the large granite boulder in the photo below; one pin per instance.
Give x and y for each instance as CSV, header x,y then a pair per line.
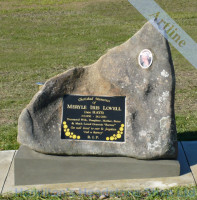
x,y
150,121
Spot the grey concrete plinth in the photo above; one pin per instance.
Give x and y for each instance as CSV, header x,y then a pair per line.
x,y
31,167
5,162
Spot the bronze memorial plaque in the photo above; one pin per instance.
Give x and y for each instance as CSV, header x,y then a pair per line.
x,y
93,118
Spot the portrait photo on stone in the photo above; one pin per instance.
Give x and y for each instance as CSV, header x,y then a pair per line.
x,y
145,58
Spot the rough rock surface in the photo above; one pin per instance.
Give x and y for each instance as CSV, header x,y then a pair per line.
x,y
150,121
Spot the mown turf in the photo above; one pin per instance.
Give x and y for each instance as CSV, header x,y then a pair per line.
x,y
39,39
176,193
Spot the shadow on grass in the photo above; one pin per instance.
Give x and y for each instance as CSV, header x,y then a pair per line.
x,y
187,136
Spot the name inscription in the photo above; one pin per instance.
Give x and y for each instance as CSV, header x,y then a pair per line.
x,y
93,118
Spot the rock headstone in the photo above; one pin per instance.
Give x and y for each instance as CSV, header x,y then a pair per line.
x,y
150,130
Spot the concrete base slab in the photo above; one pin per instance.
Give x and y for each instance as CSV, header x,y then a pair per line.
x,y
35,168
185,179
5,162
100,186
185,168
190,148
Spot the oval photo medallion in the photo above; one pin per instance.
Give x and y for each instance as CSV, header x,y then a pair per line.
x,y
145,58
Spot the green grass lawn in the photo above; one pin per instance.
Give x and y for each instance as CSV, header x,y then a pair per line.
x,y
176,193
42,38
